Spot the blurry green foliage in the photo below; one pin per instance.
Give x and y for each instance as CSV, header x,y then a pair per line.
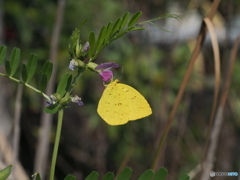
x,y
154,70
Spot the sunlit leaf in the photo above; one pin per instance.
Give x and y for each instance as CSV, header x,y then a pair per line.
x,y
108,176
3,52
147,175
24,73
134,19
125,174
4,173
14,60
70,177
161,174
92,176
64,84
184,177
31,66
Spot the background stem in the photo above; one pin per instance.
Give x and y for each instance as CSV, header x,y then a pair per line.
x,y
41,157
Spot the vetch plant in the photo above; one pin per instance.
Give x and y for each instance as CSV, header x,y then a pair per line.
x,y
82,58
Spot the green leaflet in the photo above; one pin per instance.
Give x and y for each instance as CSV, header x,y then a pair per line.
x,y
7,67
108,176
125,174
161,174
70,177
24,73
45,75
134,18
31,66
4,173
108,32
116,26
3,52
47,69
184,177
64,84
91,40
42,81
125,20
92,176
147,175
38,177
14,60
52,109
101,38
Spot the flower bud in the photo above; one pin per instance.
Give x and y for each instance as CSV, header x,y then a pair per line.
x,y
75,63
77,100
86,47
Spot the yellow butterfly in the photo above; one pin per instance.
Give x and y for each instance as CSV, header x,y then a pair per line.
x,y
121,103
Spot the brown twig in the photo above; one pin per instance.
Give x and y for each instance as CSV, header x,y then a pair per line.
x,y
196,51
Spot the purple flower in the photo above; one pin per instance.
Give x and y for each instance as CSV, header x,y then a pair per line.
x,y
105,72
52,100
77,100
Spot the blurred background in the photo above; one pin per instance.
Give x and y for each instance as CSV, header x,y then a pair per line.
x,y
154,62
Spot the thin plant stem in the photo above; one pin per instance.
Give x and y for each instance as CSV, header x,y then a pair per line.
x,y
26,84
56,144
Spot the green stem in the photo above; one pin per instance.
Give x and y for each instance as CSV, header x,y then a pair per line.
x,y
25,84
167,15
56,144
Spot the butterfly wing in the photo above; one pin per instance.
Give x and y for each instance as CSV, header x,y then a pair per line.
x,y
121,103
139,107
112,107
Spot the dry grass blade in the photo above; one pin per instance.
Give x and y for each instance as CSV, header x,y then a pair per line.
x,y
7,154
196,51
217,76
219,116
